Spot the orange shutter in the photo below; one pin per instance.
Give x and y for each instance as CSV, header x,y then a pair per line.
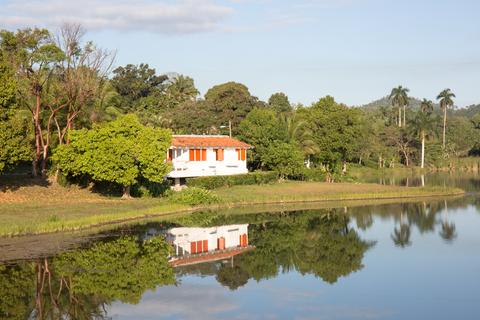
x,y
243,154
221,154
191,155
205,245
204,154
170,154
193,247
199,246
197,154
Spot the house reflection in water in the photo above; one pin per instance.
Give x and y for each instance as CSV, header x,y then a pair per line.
x,y
197,245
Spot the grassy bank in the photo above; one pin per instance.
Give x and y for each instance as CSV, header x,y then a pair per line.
x,y
40,208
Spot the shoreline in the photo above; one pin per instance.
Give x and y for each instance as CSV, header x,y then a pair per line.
x,y
289,193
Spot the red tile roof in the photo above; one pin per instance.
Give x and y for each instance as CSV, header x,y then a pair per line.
x,y
209,256
197,141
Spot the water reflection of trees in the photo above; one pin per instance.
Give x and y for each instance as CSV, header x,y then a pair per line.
x,y
80,284
425,216
321,243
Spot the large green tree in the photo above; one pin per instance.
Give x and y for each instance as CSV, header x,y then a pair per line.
x,y
229,102
34,56
285,158
261,128
336,131
121,151
134,82
279,102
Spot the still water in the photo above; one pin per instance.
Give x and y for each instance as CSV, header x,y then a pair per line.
x,y
415,260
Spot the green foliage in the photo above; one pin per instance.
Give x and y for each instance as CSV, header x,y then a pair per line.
x,y
121,151
147,188
337,130
15,142
284,158
261,128
461,136
279,102
194,196
180,90
122,269
8,88
252,178
230,101
133,82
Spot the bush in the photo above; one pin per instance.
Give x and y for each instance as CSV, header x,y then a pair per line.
x,y
194,196
146,188
251,178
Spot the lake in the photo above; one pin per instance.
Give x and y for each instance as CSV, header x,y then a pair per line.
x,y
414,260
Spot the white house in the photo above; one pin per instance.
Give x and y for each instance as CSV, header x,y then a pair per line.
x,y
190,241
206,155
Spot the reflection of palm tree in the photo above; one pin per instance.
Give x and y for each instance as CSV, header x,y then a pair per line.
x,y
401,236
448,232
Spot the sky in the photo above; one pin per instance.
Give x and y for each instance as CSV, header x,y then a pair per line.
x,y
354,50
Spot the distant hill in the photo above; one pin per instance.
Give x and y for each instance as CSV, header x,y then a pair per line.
x,y
414,103
467,112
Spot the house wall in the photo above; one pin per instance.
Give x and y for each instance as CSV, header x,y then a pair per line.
x,y
184,168
183,237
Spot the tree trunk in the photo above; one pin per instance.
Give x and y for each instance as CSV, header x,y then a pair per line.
x,y
344,168
404,115
399,116
423,149
444,125
126,192
36,124
69,127
44,161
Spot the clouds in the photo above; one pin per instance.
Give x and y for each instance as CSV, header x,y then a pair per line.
x,y
163,17
190,301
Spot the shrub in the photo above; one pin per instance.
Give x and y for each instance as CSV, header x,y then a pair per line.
x,y
146,188
252,178
194,196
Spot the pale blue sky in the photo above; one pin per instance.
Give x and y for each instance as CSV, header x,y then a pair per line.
x,y
355,50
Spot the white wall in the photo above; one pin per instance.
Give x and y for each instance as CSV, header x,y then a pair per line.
x,y
183,168
182,237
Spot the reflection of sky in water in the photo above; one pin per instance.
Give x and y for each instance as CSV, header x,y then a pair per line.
x,y
430,279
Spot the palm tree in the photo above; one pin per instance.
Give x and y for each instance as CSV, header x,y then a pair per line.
x,y
299,133
424,124
399,98
446,101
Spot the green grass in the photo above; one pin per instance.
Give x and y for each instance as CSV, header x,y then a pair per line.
x,y
292,191
37,209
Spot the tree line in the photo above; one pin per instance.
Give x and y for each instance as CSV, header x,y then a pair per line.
x,y
61,95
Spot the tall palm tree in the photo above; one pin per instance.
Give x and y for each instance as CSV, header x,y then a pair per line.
x,y
399,98
446,101
423,124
